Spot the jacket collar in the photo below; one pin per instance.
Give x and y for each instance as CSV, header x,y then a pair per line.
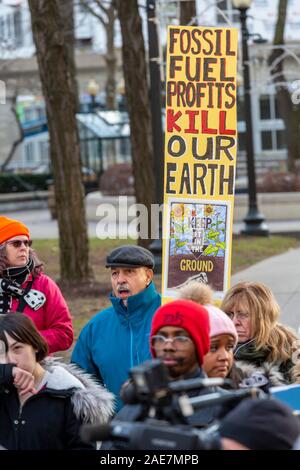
x,y
196,374
248,352
60,378
91,401
136,304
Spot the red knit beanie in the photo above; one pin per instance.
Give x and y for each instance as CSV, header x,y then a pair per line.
x,y
10,228
188,315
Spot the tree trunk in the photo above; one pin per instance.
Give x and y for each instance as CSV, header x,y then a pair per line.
x,y
137,94
67,12
187,12
60,100
289,112
111,60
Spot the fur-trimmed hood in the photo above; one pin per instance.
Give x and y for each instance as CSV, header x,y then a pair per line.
x,y
249,375
295,373
92,403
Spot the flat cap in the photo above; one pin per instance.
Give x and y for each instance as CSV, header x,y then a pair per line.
x,y
130,256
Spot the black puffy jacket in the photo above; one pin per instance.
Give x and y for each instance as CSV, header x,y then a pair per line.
x,y
51,419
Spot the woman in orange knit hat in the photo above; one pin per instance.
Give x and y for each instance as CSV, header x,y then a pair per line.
x,y
25,288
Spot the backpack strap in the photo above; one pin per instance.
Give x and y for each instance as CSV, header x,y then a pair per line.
x,y
22,302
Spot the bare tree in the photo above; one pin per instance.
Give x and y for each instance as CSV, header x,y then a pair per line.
x,y
67,13
107,16
60,99
187,11
137,94
21,136
289,112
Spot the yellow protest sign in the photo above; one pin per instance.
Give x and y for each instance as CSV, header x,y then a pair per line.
x,y
200,157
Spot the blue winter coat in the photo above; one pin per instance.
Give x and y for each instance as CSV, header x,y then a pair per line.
x,y
117,339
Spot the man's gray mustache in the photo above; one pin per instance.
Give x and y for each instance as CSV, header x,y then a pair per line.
x,y
122,287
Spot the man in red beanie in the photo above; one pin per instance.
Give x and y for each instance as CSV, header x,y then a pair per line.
x,y
180,337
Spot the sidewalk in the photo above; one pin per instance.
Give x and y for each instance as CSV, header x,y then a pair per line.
x,y
42,226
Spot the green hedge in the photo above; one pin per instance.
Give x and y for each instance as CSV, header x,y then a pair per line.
x,y
19,183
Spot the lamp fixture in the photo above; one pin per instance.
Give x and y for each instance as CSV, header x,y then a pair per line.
x,y
241,4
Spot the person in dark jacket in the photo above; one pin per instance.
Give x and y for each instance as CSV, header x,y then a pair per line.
x,y
117,338
180,338
25,288
49,417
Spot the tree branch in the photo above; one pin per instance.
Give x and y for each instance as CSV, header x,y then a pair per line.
x,y
99,5
90,10
18,141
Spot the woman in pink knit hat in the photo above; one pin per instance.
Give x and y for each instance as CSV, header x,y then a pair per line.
x,y
218,361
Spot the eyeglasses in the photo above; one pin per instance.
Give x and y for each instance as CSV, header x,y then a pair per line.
x,y
239,316
19,243
179,342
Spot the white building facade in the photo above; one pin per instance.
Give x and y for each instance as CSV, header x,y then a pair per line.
x,y
268,127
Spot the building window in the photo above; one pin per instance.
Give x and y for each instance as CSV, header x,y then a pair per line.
x,y
8,26
29,152
41,114
169,12
18,28
29,114
265,107
269,107
227,8
281,139
273,136
266,140
44,151
2,34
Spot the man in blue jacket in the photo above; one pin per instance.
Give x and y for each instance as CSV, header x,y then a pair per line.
x,y
117,338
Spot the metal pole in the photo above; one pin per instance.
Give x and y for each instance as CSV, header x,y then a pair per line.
x,y
157,132
254,220
93,102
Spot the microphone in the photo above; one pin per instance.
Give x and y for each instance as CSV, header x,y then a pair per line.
x,y
192,384
130,397
218,397
94,432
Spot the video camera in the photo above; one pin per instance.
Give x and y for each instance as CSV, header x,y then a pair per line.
x,y
162,410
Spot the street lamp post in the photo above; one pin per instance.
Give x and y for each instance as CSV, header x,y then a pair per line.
x,y
254,220
93,89
157,132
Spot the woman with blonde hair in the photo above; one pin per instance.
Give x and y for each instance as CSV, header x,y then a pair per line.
x,y
266,350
